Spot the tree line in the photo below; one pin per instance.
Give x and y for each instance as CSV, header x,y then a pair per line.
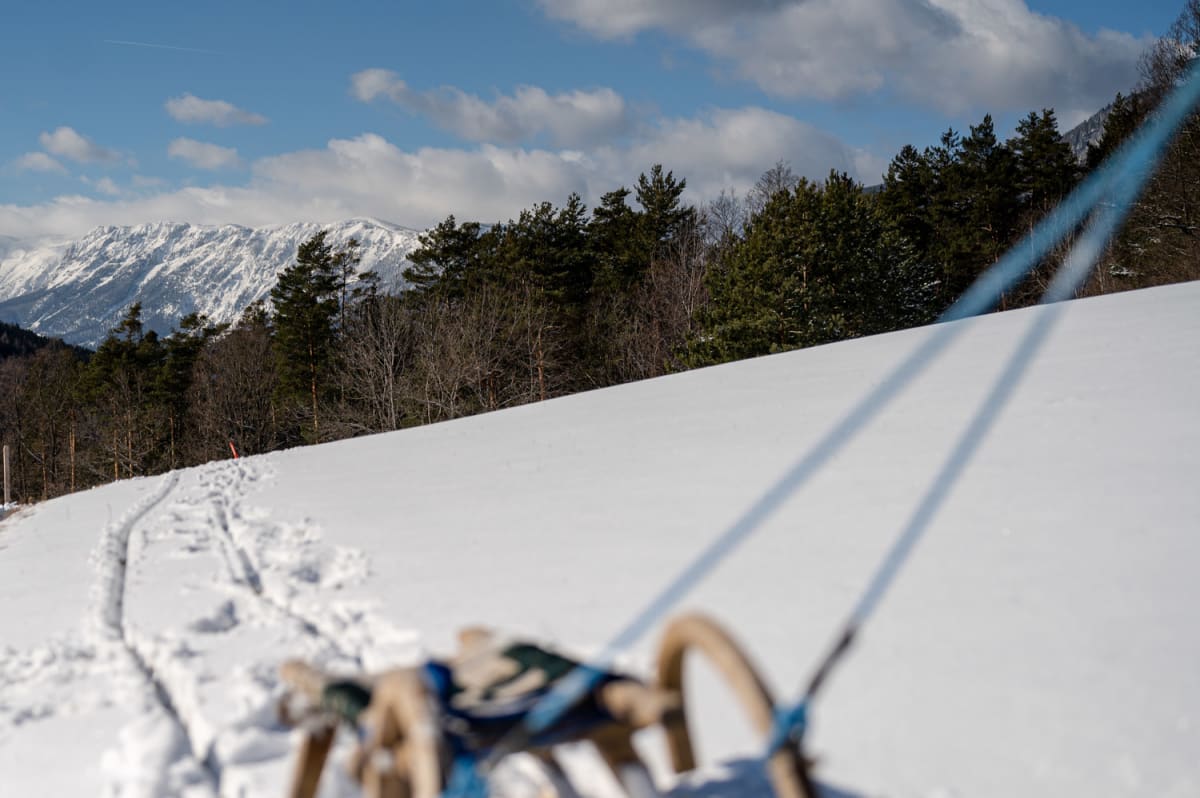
x,y
565,298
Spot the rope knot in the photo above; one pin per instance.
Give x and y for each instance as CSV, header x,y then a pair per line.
x,y
790,725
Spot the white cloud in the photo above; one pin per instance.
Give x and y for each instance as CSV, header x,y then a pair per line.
x,y
66,142
369,176
372,83
569,119
731,149
38,162
104,185
870,167
143,181
623,18
204,155
953,55
193,110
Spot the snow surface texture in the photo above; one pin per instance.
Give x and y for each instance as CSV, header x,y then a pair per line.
x,y
1042,641
79,290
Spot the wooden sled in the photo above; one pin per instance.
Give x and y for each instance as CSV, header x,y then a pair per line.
x,y
404,749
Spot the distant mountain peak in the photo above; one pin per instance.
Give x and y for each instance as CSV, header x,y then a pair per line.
x,y
78,290
1089,131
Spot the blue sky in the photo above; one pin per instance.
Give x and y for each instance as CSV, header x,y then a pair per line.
x,y
270,112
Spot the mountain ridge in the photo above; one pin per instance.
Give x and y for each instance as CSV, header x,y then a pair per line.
x,y
1086,133
78,290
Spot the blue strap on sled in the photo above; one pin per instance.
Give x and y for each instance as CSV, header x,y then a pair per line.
x,y
472,734
477,729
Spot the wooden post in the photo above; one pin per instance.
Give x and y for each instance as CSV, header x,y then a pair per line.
x,y
72,448
7,482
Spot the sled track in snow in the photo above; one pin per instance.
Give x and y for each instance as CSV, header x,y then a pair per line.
x,y
224,482
113,555
268,577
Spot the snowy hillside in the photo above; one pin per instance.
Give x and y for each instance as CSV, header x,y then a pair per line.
x,y
78,290
1042,641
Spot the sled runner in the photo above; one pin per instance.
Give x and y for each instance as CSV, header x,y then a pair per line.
x,y
415,725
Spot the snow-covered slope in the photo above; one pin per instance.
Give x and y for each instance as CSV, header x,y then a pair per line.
x,y
1041,642
79,290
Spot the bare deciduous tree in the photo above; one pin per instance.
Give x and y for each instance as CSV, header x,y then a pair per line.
x,y
778,178
724,218
378,348
232,395
661,312
494,348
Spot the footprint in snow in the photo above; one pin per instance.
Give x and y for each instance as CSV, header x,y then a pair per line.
x,y
222,621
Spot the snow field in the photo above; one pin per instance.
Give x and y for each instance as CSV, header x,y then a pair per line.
x,y
1042,639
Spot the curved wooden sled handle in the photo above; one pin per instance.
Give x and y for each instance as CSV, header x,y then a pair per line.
x,y
787,771
400,754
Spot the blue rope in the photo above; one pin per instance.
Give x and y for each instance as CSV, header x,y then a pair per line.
x,y
1130,165
784,729
1124,181
466,779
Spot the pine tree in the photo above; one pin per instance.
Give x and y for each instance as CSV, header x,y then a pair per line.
x,y
907,198
975,205
613,234
1046,172
817,264
450,258
624,241
306,309
990,177
665,218
118,385
1124,116
1046,169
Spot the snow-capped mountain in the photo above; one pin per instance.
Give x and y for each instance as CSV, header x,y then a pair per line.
x,y
7,243
1089,131
78,290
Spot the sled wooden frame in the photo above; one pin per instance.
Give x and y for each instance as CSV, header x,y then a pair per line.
x,y
403,753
